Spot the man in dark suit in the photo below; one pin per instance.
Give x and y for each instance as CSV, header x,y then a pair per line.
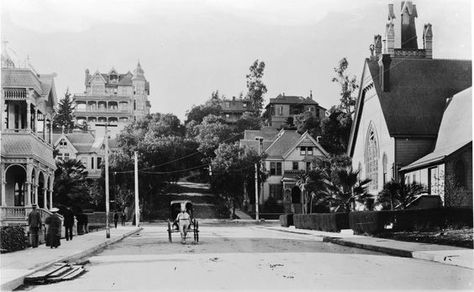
x,y
34,223
68,222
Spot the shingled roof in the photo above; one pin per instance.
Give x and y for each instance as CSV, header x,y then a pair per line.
x,y
416,100
287,99
21,77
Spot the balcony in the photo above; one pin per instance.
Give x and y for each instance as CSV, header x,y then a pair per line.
x,y
108,97
24,144
103,113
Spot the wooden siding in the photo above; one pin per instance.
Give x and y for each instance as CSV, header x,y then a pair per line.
x,y
408,150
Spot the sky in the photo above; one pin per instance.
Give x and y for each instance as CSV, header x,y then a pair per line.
x,y
188,49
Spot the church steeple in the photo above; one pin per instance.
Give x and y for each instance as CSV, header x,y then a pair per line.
x,y
408,29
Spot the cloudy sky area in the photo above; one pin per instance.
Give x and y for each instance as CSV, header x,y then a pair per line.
x,y
190,48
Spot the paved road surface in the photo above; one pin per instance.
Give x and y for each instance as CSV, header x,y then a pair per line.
x,y
250,257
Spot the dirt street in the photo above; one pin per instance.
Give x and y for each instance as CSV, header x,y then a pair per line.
x,y
250,257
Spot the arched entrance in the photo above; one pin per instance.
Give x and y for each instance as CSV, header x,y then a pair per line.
x,y
15,186
295,195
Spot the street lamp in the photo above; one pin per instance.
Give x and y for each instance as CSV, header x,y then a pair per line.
x,y
107,211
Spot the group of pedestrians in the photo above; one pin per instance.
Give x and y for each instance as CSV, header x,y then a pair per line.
x,y
53,233
122,216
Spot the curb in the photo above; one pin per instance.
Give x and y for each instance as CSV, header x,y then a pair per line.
x,y
387,250
15,283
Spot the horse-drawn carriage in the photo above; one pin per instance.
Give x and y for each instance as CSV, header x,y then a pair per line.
x,y
175,209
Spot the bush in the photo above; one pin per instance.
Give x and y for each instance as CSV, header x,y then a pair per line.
x,y
13,238
331,222
286,220
374,222
271,206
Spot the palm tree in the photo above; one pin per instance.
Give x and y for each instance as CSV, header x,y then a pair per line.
x,y
398,195
70,182
314,184
349,188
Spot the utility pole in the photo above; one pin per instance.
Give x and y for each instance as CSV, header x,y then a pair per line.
x,y
107,207
137,210
257,213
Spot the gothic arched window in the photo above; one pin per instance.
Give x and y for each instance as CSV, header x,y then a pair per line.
x,y
372,157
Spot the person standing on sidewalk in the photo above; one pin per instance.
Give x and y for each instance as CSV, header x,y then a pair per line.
x,y
123,217
53,236
34,224
68,222
116,217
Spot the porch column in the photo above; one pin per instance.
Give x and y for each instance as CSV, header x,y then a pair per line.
x,y
3,183
28,183
51,131
2,109
51,184
36,120
45,196
28,114
44,127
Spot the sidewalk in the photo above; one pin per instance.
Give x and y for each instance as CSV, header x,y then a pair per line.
x,y
15,266
450,255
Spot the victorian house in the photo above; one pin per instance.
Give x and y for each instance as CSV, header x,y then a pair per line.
x,y
27,165
283,109
112,98
404,93
288,155
233,109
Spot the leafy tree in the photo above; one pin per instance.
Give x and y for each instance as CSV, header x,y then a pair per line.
x,y
64,117
248,122
231,167
70,187
336,129
348,86
308,122
211,133
211,107
397,195
256,87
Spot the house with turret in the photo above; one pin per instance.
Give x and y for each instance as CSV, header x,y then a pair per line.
x,y
112,98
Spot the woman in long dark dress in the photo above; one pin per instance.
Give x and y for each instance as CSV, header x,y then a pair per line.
x,y
53,236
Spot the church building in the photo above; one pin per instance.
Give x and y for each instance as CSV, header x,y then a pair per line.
x,y
403,95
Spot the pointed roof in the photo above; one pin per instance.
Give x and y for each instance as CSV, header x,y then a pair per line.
x,y
138,73
416,101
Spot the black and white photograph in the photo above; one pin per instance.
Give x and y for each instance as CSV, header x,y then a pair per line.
x,y
236,145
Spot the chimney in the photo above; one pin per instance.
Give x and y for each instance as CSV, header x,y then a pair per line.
x,y
408,29
311,94
384,72
86,77
378,45
390,38
428,41
233,98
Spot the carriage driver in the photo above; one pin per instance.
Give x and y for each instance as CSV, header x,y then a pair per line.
x,y
184,220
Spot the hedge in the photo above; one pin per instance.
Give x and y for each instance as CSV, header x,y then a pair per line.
x,y
373,222
286,220
331,222
13,238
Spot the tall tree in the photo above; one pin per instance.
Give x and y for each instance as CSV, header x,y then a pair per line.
x,y
336,129
64,117
231,167
211,133
348,86
255,86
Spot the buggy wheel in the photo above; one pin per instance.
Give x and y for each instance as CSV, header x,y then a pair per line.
x,y
196,231
169,231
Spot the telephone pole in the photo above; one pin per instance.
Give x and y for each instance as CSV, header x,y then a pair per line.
x,y
137,208
107,211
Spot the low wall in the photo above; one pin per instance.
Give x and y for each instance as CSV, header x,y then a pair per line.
x,y
373,222
331,222
286,220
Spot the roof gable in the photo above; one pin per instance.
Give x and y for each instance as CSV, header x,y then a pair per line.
x,y
306,140
416,101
